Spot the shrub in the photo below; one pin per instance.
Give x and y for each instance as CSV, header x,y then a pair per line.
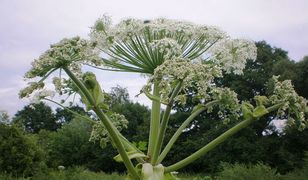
x,y
299,174
19,154
246,172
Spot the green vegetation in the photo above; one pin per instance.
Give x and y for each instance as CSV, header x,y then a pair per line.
x,y
19,154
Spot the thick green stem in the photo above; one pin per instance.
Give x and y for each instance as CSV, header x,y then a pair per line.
x,y
155,122
164,123
180,130
215,142
113,132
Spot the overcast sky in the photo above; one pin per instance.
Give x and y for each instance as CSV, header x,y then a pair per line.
x,y
28,27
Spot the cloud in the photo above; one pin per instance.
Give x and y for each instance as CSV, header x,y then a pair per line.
x,y
29,27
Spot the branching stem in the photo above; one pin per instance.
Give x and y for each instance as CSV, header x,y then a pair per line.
x,y
181,128
164,122
215,142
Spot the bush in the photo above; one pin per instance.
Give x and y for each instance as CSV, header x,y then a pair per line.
x,y
19,154
69,145
299,174
247,172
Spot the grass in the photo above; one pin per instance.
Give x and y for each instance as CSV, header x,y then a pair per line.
x,y
82,174
76,173
229,172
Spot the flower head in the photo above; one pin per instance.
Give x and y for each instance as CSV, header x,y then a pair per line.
x,y
294,107
141,46
68,52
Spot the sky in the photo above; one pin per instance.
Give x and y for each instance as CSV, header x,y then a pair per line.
x,y
28,27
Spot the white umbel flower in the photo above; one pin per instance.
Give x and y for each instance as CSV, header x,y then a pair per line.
x,y
232,54
41,95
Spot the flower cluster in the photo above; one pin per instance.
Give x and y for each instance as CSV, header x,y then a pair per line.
x,y
168,47
68,52
29,89
41,95
228,105
105,35
294,107
231,55
100,133
191,74
141,46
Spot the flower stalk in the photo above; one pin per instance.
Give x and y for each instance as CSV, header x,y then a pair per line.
x,y
155,122
113,132
164,122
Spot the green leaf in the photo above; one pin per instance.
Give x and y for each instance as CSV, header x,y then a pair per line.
x,y
89,80
259,111
247,109
131,155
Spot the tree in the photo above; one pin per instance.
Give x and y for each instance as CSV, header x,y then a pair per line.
x,y
257,72
301,81
64,116
136,114
19,154
171,53
119,95
4,118
35,117
69,145
250,145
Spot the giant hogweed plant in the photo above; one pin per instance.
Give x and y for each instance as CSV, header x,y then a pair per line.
x,y
176,57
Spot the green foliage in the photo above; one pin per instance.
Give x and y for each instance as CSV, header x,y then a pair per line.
x,y
64,116
301,80
73,173
137,115
247,172
19,154
35,117
300,173
77,173
69,145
